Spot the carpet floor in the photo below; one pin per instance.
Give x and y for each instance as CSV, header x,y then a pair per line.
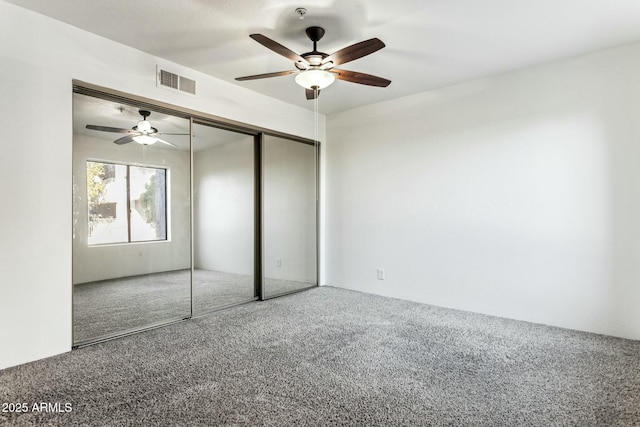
x,y
331,356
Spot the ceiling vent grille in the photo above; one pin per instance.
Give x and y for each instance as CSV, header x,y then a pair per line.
x,y
168,79
175,81
187,85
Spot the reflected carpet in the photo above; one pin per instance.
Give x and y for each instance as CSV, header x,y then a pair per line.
x,y
116,305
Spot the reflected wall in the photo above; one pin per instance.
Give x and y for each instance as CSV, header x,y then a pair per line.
x,y
223,218
289,215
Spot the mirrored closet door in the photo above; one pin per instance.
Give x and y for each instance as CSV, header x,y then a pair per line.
x,y
131,218
223,218
175,216
289,209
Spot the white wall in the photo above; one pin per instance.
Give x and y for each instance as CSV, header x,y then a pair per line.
x,y
39,58
102,262
516,195
224,207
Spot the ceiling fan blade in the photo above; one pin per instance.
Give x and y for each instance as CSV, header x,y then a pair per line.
x,y
124,140
266,75
354,51
361,78
311,94
109,129
169,133
278,48
165,142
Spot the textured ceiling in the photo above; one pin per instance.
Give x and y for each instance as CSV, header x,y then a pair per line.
x,y
430,43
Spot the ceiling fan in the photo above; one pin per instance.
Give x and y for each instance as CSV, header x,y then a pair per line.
x,y
142,133
315,70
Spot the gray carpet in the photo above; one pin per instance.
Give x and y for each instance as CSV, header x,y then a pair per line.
x,y
330,356
118,305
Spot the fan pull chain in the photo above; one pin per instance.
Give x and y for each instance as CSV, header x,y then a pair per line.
x,y
316,138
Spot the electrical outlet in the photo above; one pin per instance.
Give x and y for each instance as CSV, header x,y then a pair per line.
x,y
380,272
278,262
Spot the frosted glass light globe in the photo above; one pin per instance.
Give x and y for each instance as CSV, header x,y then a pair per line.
x,y
310,79
145,139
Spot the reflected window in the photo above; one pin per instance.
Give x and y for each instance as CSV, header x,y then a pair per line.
x,y
126,203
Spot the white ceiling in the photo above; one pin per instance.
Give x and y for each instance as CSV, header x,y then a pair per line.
x,y
429,43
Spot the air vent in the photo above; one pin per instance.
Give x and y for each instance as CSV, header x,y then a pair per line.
x,y
169,79
187,85
175,81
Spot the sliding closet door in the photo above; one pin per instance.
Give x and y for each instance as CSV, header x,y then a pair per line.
x,y
289,170
131,219
223,218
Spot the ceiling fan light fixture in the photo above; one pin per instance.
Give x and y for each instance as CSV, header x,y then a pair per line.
x,y
311,79
145,139
315,70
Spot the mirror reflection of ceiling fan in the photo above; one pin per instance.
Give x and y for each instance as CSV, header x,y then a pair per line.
x,y
142,133
315,70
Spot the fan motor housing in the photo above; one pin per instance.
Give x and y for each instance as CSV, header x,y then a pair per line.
x,y
315,33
